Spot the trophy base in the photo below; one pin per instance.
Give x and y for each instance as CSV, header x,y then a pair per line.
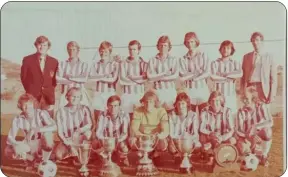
x,y
111,170
186,170
147,170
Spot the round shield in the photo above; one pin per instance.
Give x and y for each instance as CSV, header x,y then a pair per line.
x,y
225,155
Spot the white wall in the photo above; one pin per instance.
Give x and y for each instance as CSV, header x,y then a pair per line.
x,y
90,23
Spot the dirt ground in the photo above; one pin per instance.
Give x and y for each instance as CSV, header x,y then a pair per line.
x,y
64,170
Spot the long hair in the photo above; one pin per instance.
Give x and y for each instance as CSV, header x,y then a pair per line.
x,y
113,98
164,39
214,95
227,43
256,34
42,39
153,95
23,99
182,97
135,42
105,45
189,36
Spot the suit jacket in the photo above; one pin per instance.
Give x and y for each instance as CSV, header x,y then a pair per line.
x,y
38,83
268,73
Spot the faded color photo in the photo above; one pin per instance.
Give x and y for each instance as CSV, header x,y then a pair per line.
x,y
143,89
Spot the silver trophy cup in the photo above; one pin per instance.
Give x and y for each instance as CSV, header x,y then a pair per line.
x,y
184,146
83,156
146,166
109,168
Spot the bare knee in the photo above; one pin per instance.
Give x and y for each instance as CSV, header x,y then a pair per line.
x,y
162,145
86,136
60,151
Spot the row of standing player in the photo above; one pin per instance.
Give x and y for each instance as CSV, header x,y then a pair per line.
x,y
163,70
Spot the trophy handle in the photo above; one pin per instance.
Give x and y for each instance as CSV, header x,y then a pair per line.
x,y
140,139
173,144
155,140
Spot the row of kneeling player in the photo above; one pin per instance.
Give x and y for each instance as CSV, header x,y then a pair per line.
x,y
214,126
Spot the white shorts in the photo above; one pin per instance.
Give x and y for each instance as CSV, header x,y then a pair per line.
x,y
128,101
231,102
199,95
167,96
99,102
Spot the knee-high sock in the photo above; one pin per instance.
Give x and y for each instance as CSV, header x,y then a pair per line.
x,y
266,145
46,155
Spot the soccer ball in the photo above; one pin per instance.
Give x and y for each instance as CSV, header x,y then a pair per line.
x,y
250,162
47,169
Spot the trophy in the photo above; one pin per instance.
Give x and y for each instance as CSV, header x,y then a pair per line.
x,y
184,146
146,166
109,168
83,156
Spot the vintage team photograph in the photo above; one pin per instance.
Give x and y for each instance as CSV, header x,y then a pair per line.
x,y
124,89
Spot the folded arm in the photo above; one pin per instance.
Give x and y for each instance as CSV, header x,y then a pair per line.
x,y
205,72
237,73
151,73
114,74
174,74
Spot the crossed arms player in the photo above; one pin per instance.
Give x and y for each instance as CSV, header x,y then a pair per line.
x,y
133,75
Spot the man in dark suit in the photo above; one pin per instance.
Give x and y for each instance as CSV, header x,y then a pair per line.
x,y
38,74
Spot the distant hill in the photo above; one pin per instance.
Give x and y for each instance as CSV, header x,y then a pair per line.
x,y
10,69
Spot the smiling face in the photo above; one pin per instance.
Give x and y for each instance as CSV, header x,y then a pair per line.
x,y
105,53
28,109
74,98
42,48
226,50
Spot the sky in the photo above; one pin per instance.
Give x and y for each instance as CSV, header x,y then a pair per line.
x,y
90,23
